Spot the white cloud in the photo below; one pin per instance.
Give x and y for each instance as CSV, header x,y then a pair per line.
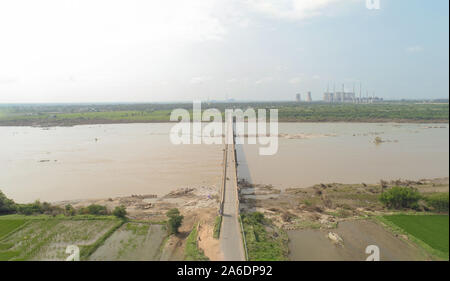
x,y
200,80
295,80
290,9
414,49
264,80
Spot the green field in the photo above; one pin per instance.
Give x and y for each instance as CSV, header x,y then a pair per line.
x,y
432,230
67,115
133,242
7,226
46,238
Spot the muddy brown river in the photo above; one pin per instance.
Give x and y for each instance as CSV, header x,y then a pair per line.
x,y
312,153
101,161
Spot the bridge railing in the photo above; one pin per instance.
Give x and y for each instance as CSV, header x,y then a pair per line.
x,y
224,180
238,209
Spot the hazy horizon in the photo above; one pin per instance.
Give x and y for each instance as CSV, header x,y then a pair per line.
x,y
115,51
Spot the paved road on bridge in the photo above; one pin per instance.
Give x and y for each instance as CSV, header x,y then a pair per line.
x,y
230,233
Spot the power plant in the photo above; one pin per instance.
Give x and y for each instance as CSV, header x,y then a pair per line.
x,y
298,97
349,96
308,97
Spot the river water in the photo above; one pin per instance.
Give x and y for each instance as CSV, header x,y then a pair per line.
x,y
312,153
101,161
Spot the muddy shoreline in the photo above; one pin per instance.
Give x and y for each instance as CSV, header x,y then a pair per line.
x,y
77,122
323,206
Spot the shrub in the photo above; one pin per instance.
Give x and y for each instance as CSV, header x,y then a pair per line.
x,y
7,206
438,201
69,210
175,220
401,198
120,212
217,226
94,209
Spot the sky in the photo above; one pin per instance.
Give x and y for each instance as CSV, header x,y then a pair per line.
x,y
178,50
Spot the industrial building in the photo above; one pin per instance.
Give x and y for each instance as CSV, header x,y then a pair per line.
x,y
348,97
339,97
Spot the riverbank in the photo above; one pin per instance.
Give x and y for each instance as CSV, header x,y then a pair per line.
x,y
42,115
297,224
338,221
142,236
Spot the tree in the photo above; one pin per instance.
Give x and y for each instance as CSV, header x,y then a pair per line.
x,y
7,206
95,209
69,210
175,220
400,198
120,212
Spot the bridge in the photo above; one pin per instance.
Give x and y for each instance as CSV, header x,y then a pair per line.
x,y
232,242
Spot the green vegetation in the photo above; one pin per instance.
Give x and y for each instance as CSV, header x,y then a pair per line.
x,y
120,212
46,237
7,206
133,241
66,115
8,226
265,242
192,252
217,226
401,198
438,201
94,209
431,230
87,251
174,222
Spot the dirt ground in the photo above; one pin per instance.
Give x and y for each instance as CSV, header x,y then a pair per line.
x,y
325,205
174,248
197,205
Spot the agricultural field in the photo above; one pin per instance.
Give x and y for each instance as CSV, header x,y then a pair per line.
x,y
8,226
47,239
429,231
73,114
132,241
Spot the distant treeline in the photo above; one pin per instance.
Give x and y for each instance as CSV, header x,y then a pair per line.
x,y
74,114
8,206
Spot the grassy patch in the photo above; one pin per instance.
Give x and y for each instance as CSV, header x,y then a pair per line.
x,y
265,242
288,111
7,226
192,252
431,230
217,226
307,224
86,251
47,238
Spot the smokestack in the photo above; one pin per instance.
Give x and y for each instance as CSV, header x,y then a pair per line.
x,y
360,92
